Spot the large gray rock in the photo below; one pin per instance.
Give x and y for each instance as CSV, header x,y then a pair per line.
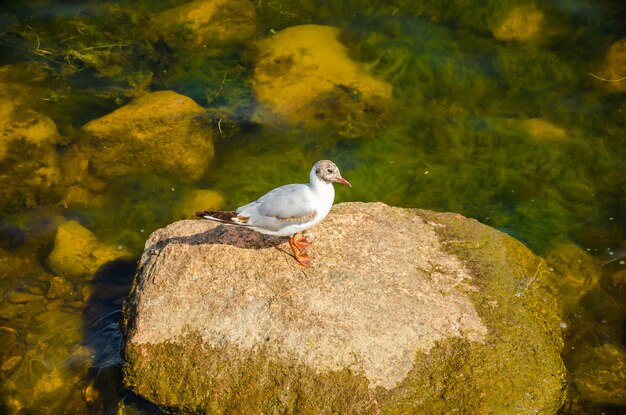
x,y
402,311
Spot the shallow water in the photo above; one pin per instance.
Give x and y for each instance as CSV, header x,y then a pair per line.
x,y
519,134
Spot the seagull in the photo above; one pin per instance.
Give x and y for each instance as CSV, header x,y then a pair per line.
x,y
289,209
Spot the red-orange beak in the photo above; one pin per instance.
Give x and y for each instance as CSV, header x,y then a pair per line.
x,y
343,181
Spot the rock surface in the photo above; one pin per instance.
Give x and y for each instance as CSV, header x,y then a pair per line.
x,y
304,75
613,69
158,132
401,311
78,253
580,273
205,26
23,83
196,200
29,163
522,23
543,129
599,375
82,188
59,287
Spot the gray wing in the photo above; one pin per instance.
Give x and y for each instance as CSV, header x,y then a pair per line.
x,y
288,202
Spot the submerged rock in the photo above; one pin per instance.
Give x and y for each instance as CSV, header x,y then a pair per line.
x,y
196,200
15,297
613,69
41,380
77,252
304,75
206,26
29,165
82,189
599,375
543,129
400,308
522,23
79,196
23,83
579,273
59,287
156,133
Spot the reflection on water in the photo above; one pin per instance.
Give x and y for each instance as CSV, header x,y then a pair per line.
x,y
511,112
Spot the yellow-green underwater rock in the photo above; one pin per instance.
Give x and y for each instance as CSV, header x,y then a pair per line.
x,y
579,272
29,165
523,23
59,287
600,375
156,133
39,340
402,311
81,188
543,129
77,252
304,75
24,83
79,196
39,381
204,26
613,69
197,200
16,297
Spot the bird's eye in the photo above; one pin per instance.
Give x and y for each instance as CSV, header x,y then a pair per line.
x,y
329,170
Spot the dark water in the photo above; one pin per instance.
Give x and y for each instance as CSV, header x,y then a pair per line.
x,y
519,134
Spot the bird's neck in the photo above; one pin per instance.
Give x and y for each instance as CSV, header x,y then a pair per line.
x,y
320,186
313,177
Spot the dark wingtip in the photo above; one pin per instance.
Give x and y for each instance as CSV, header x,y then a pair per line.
x,y
217,215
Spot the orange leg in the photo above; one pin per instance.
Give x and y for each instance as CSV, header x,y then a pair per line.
x,y
301,243
299,253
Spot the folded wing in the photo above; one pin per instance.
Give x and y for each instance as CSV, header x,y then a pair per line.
x,y
291,203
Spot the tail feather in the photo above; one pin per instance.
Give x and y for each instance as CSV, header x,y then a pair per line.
x,y
221,216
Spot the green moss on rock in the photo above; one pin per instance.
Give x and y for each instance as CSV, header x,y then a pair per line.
x,y
523,328
240,382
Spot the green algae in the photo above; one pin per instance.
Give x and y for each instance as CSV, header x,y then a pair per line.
x,y
533,314
240,157
105,39
175,377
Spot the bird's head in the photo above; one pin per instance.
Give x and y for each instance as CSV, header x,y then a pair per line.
x,y
327,171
